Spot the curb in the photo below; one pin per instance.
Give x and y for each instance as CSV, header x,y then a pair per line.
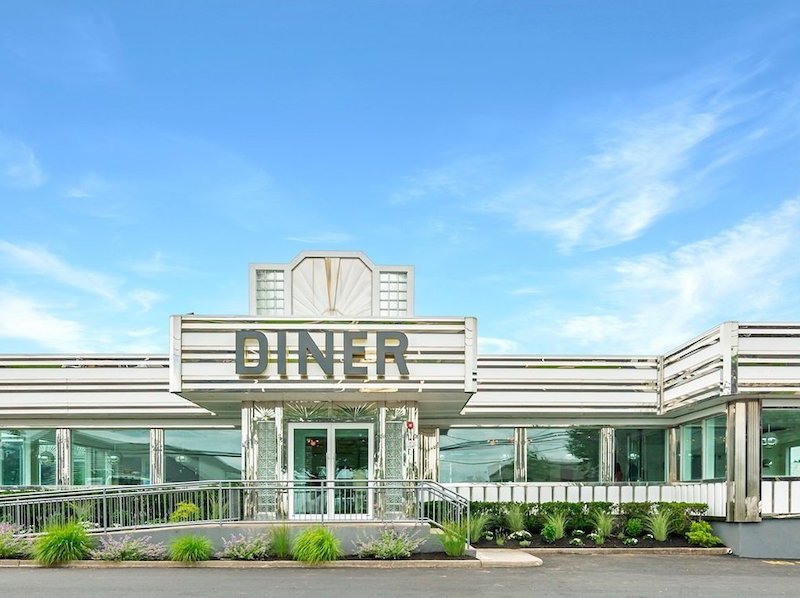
x,y
721,551
432,564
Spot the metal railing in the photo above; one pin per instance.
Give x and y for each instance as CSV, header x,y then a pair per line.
x,y
130,507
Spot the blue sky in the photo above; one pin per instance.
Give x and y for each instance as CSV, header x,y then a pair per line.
x,y
584,177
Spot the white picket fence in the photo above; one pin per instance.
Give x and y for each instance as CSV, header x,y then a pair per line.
x,y
780,497
711,493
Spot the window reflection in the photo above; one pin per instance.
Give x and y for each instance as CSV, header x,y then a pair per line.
x,y
27,457
114,457
640,455
194,455
780,442
563,454
476,455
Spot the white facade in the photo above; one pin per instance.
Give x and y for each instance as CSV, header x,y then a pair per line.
x,y
347,363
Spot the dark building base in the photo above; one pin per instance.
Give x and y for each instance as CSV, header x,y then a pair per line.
x,y
770,538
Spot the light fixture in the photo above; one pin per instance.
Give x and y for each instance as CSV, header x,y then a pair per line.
x,y
181,458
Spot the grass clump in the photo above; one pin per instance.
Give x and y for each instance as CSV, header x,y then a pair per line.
x,y
661,524
247,547
13,546
603,526
62,543
477,525
317,545
281,544
702,534
185,511
389,545
190,549
127,548
454,538
515,517
555,525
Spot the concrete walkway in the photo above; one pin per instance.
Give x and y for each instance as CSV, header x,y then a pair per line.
x,y
506,557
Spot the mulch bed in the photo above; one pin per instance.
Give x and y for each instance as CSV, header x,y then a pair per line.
x,y
612,542
417,556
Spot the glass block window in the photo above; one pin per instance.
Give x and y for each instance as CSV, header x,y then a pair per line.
x,y
270,292
394,294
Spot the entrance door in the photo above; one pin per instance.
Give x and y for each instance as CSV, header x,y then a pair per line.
x,y
331,465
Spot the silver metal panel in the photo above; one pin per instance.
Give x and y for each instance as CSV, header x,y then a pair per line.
x,y
156,455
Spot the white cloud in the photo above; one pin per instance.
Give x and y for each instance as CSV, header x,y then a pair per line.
x,y
502,346
525,291
151,265
332,238
19,166
39,261
23,318
144,299
658,300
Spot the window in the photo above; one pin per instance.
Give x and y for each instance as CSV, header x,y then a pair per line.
x,y
714,454
193,455
270,293
780,442
394,294
563,454
115,457
27,457
691,452
640,455
476,455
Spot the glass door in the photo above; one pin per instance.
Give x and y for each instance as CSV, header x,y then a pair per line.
x,y
353,462
331,465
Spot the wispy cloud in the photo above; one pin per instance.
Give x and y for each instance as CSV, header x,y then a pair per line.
x,y
19,166
331,238
25,318
37,260
501,346
613,173
41,262
658,300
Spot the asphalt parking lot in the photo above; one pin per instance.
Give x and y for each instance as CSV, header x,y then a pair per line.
x,y
604,575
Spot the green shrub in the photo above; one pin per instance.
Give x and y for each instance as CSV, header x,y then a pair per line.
x,y
557,524
13,546
454,538
190,549
247,547
281,545
683,513
549,533
634,527
661,524
389,545
603,526
127,548
515,516
185,511
702,534
316,545
62,543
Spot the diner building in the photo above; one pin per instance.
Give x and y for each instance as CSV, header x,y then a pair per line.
x,y
332,375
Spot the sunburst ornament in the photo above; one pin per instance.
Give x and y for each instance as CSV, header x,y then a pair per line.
x,y
332,287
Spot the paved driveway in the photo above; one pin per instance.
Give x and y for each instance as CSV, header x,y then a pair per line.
x,y
560,576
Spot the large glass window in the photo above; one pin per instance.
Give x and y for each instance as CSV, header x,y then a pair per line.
x,y
193,455
716,461
563,454
640,455
476,455
116,457
691,451
27,457
780,442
